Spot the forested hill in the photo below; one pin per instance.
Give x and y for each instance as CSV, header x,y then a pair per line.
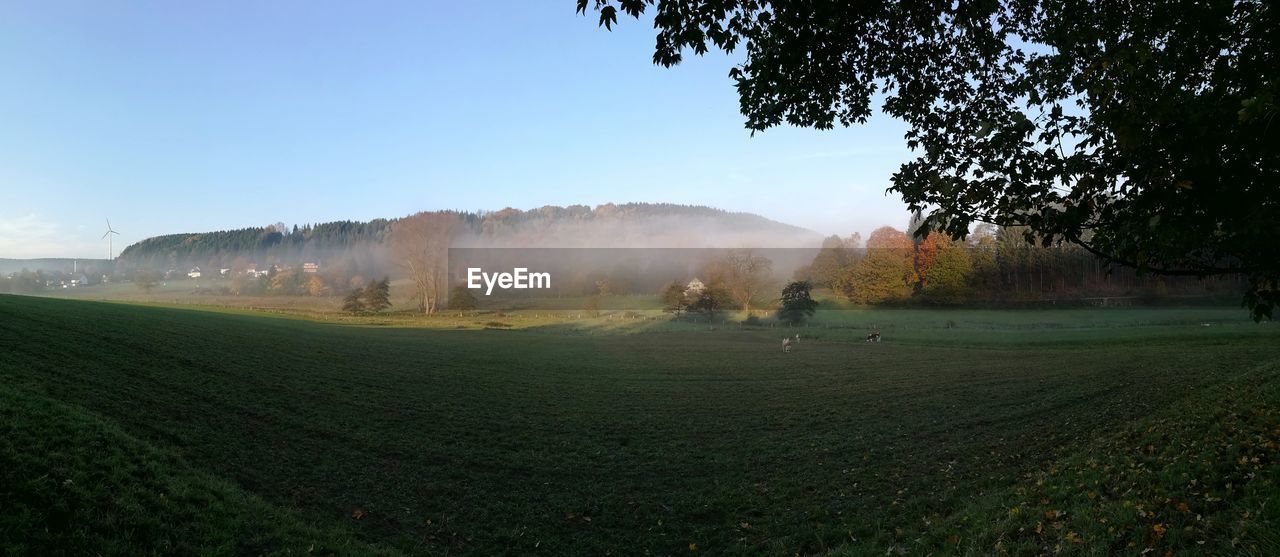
x,y
624,225
251,245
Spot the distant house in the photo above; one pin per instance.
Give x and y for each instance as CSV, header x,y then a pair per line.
x,y
79,279
310,267
694,287
194,272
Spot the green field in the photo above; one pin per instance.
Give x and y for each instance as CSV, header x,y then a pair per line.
x,y
139,429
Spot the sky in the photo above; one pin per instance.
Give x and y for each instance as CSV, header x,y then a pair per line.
x,y
170,117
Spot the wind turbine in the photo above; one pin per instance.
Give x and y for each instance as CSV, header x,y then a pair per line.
x,y
111,249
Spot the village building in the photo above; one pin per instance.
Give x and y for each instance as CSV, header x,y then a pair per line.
x,y
694,287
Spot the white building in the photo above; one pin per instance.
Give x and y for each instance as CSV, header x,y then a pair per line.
x,y
694,287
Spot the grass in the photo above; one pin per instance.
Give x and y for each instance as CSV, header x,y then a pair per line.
x,y
74,483
610,436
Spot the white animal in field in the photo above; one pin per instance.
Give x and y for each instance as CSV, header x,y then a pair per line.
x,y
786,344
797,338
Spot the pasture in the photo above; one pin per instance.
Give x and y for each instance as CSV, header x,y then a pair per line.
x,y
141,429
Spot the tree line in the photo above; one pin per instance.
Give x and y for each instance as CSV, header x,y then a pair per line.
x,y
992,264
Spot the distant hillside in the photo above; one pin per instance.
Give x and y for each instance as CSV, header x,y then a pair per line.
x,y
52,265
244,246
359,243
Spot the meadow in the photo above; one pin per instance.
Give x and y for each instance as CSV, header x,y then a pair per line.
x,y
145,428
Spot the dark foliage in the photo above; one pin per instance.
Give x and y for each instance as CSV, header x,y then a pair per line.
x,y
461,298
796,305
353,303
377,295
673,299
714,297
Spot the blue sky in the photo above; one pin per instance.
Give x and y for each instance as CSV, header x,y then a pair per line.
x,y
183,117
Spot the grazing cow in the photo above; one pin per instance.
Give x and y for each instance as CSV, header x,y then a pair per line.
x,y
874,337
786,344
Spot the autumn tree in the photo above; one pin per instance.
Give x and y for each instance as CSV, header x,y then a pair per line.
x,y
926,252
604,287
796,304
315,286
745,276
946,280
419,244
885,274
836,255
1144,132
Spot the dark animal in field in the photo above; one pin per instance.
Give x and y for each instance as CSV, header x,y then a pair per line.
x,y
874,337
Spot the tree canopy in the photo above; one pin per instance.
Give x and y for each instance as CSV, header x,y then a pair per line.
x,y
796,304
1143,131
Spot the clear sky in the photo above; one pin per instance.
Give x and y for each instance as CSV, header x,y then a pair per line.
x,y
192,116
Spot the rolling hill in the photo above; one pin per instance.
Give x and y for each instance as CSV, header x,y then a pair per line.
x,y
609,225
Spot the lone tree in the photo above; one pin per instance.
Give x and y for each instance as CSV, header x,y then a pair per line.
x,y
353,303
673,300
712,299
461,298
797,304
1144,132
746,275
420,245
377,295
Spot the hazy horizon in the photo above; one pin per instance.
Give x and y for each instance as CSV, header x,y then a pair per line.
x,y
171,118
